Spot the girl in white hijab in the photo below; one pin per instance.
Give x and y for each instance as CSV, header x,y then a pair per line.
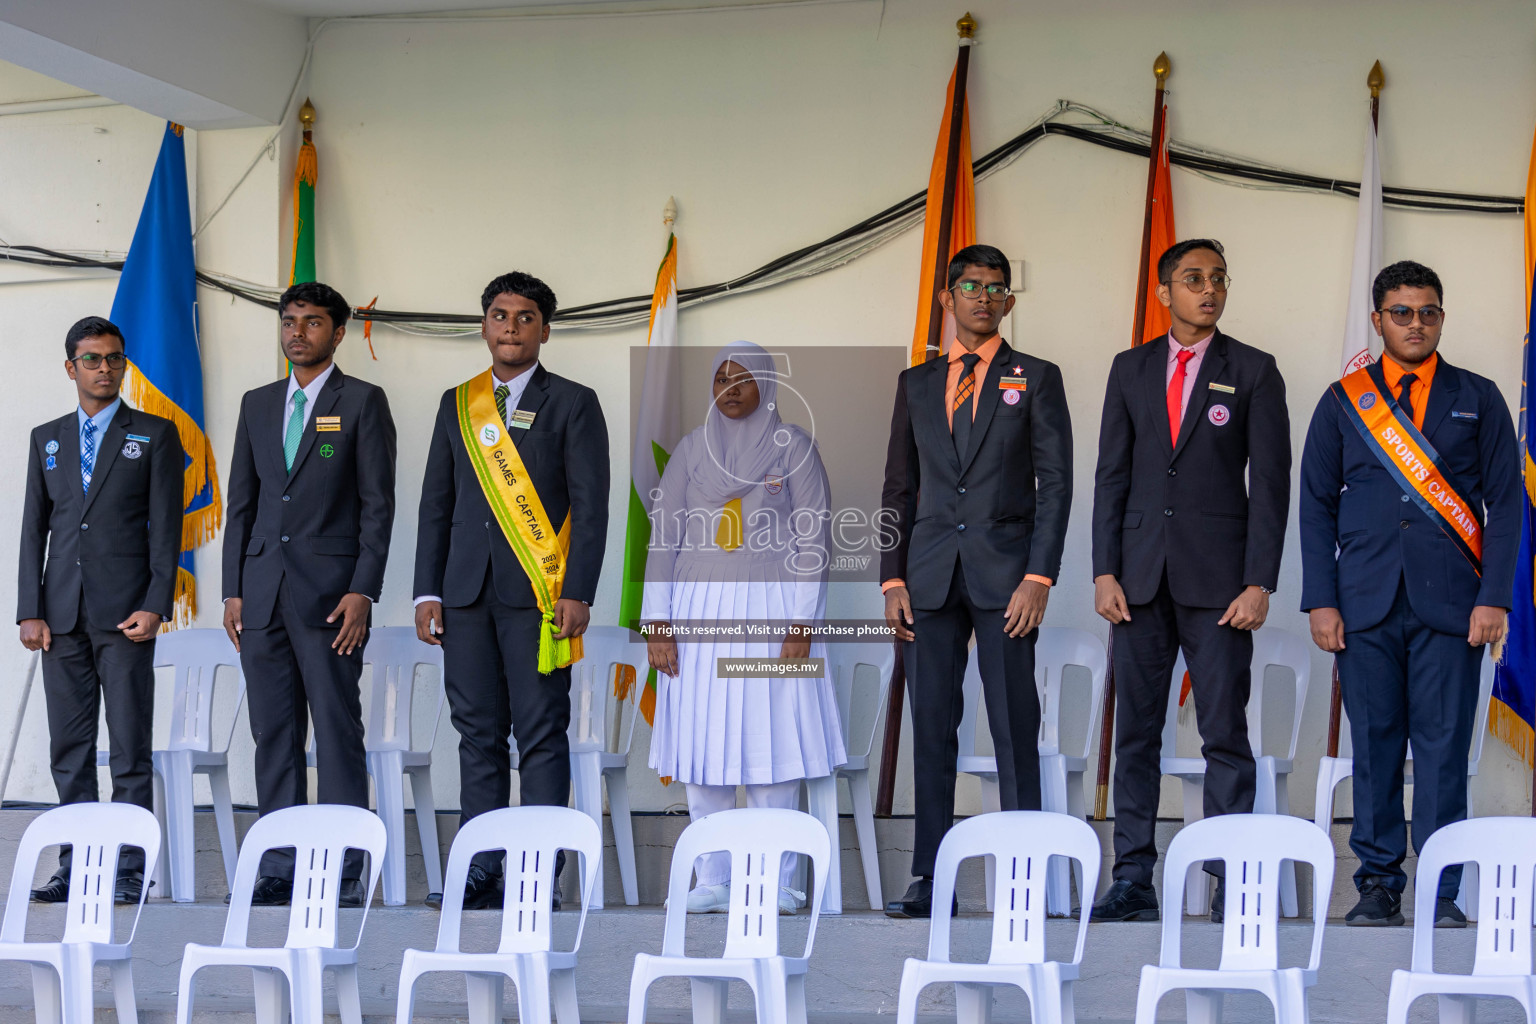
x,y
739,536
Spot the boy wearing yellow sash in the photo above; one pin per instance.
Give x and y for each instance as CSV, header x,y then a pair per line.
x,y
514,516
1410,524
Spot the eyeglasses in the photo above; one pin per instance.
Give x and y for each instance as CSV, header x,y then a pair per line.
x,y
1429,316
974,289
92,360
1196,282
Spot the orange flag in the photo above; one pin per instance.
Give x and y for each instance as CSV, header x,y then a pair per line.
x,y
957,179
1155,320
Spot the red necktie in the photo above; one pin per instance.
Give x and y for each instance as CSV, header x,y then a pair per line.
x,y
1176,394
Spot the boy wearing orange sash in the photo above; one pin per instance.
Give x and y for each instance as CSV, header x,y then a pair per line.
x,y
1410,524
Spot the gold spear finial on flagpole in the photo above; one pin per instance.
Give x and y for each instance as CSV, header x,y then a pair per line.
x,y
307,115
1161,67
967,26
669,212
1376,79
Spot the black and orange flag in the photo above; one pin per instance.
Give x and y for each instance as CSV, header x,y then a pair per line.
x,y
949,224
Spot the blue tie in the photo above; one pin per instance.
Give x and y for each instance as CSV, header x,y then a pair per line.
x,y
88,456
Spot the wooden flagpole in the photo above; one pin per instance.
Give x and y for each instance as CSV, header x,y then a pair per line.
x,y
1375,80
1160,70
890,746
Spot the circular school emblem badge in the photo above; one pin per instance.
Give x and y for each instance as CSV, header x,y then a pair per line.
x,y
1219,415
52,447
1367,400
1011,397
326,451
131,450
489,434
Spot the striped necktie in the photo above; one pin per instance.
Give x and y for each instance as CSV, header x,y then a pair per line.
x,y
295,429
87,456
964,407
502,391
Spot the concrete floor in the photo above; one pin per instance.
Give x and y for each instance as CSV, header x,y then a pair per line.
x,y
856,967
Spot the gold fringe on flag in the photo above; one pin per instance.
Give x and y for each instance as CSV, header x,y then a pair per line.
x,y
198,527
1512,729
623,681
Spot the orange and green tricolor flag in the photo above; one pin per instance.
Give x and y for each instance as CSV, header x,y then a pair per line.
x,y
962,231
657,428
1512,712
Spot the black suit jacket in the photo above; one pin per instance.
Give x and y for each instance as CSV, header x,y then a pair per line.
x,y
121,542
1001,509
327,524
1359,538
1211,509
565,451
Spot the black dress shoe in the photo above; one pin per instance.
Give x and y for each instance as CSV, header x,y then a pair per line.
x,y
434,900
351,892
130,888
1219,902
55,890
482,890
1126,901
271,891
1378,907
918,902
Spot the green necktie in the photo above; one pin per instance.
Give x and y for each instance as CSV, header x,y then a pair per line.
x,y
502,391
295,429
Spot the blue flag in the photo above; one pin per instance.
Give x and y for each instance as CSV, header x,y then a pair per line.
x,y
156,309
1512,716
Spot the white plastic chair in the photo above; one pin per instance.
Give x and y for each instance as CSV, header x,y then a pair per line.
x,y
1022,843
757,839
1063,774
1253,846
196,655
526,953
594,760
395,652
1271,791
843,661
61,971
1333,770
1505,850
320,835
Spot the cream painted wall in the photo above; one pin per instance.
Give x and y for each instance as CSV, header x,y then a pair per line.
x,y
450,152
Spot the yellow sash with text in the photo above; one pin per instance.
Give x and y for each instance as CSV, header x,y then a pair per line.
x,y
1411,459
508,490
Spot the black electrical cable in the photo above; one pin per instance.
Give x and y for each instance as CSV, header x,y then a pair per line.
x,y
1406,198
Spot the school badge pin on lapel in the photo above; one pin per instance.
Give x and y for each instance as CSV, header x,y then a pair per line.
x,y
52,447
1219,415
131,450
489,434
52,463
1367,400
1011,397
773,483
326,451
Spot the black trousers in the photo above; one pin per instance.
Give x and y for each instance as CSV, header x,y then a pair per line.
x,y
291,674
935,688
83,669
1219,660
1403,681
495,692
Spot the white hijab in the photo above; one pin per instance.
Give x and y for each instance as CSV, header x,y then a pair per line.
x,y
739,453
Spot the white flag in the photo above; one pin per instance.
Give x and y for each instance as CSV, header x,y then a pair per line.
x,y
1358,333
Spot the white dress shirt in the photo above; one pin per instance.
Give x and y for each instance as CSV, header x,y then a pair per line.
x,y
311,392
515,388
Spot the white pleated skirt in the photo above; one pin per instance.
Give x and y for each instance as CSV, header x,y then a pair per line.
x,y
732,732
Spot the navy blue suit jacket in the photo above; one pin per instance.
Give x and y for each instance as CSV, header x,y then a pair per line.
x,y
1360,536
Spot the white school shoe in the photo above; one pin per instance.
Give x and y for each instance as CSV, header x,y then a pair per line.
x,y
709,899
790,900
